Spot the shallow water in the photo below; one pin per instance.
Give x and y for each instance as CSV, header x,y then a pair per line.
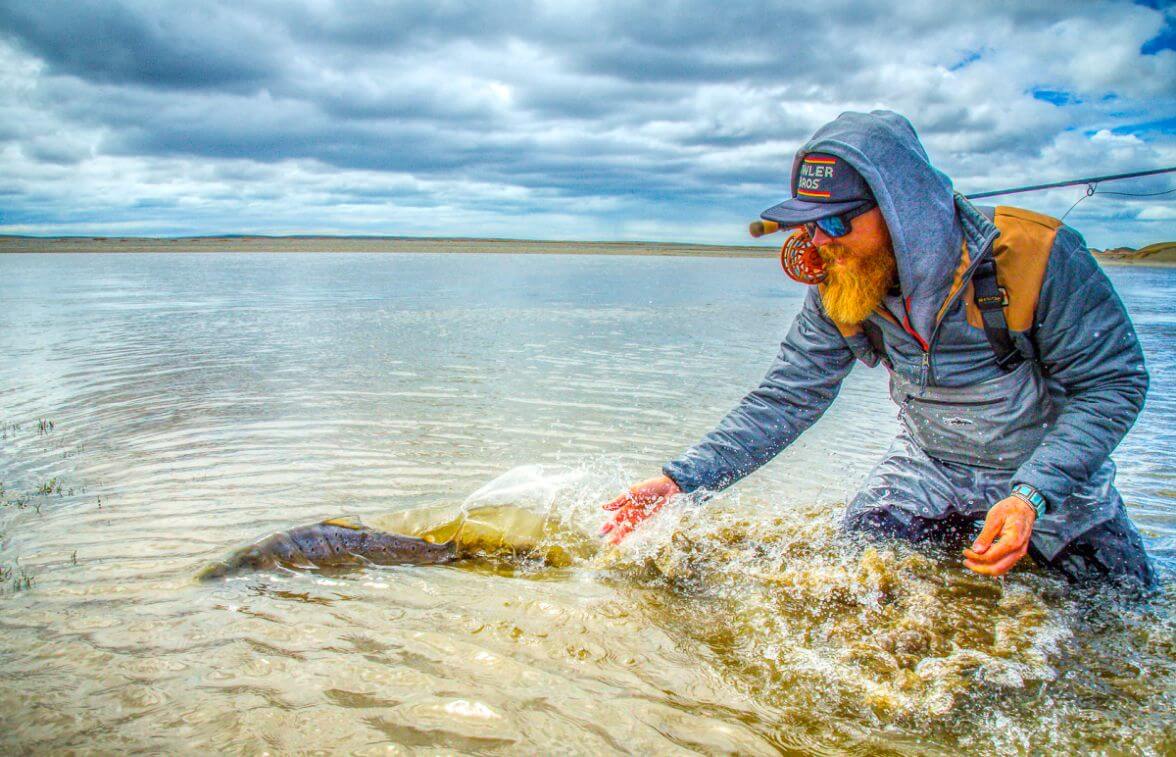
x,y
200,401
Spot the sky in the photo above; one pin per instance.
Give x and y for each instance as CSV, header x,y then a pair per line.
x,y
672,121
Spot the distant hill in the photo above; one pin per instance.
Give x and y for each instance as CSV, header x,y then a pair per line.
x,y
1161,253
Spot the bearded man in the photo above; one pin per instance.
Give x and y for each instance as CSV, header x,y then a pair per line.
x,y
1014,364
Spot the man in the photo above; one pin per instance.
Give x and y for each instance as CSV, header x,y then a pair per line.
x,y
1015,366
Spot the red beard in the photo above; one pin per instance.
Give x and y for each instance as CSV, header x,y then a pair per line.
x,y
856,281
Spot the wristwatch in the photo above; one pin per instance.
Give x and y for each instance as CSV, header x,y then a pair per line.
x,y
1031,497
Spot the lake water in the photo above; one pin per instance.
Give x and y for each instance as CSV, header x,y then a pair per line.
x,y
159,410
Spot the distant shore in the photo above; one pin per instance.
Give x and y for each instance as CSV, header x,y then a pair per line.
x,y
329,244
1133,262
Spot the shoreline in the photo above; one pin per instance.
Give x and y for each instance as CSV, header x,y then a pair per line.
x,y
328,244
395,245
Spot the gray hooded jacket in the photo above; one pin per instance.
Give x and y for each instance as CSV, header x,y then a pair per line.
x,y
1081,338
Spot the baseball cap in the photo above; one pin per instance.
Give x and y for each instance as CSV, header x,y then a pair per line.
x,y
822,186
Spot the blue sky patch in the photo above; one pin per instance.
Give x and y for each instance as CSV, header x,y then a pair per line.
x,y
1055,97
1163,126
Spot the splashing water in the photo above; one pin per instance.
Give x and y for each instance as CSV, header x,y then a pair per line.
x,y
808,624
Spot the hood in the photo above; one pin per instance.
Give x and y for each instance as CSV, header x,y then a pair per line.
x,y
916,200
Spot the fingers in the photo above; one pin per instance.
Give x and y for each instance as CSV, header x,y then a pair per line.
x,y
635,505
628,516
1010,541
619,502
992,527
620,526
620,533
645,493
1000,567
616,522
634,496
1013,537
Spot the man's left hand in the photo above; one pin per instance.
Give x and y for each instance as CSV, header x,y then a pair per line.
x,y
1010,524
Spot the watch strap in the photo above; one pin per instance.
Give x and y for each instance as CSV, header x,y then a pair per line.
x,y
1031,497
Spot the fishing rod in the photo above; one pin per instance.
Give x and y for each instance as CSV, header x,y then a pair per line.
x,y
760,228
1073,183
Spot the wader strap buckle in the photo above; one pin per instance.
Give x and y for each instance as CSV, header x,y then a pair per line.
x,y
991,299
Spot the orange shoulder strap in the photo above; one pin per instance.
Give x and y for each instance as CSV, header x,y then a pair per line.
x,y
1021,254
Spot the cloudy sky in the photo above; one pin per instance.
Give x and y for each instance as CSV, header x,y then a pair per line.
x,y
612,120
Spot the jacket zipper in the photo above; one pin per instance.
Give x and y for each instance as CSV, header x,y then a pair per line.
x,y
925,366
957,403
926,372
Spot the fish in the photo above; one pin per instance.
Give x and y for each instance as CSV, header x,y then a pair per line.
x,y
422,536
336,542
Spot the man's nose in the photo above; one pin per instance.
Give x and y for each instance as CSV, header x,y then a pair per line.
x,y
820,238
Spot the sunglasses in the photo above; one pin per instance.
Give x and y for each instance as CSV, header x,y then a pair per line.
x,y
836,226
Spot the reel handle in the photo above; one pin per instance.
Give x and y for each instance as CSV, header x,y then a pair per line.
x,y
760,228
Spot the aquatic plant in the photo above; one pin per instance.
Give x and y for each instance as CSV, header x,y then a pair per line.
x,y
51,486
17,577
35,499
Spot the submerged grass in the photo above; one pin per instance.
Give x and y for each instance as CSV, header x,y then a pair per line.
x,y
52,486
15,577
37,498
10,498
12,428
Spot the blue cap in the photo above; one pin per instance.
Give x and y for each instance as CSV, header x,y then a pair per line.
x,y
822,186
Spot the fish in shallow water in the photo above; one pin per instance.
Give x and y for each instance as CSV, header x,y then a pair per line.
x,y
425,536
332,543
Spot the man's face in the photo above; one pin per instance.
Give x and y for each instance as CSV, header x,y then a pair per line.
x,y
860,268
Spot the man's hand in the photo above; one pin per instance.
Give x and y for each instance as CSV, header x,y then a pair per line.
x,y
637,504
1011,520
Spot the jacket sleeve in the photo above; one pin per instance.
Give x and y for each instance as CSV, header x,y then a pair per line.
x,y
1085,340
801,384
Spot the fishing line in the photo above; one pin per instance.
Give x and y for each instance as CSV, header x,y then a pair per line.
x,y
1134,194
1092,189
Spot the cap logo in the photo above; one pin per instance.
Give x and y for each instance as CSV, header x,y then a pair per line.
x,y
822,185
813,171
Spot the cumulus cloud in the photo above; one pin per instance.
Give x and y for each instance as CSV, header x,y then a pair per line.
x,y
533,119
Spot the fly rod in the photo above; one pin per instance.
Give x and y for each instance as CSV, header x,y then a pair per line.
x,y
1072,183
760,228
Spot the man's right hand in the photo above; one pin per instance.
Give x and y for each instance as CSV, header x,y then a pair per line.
x,y
637,504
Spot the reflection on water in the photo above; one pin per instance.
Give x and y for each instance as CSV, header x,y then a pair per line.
x,y
199,402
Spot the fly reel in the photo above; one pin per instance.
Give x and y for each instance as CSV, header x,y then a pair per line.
x,y
800,259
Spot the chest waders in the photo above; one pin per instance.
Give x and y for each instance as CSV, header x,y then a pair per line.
x,y
996,423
